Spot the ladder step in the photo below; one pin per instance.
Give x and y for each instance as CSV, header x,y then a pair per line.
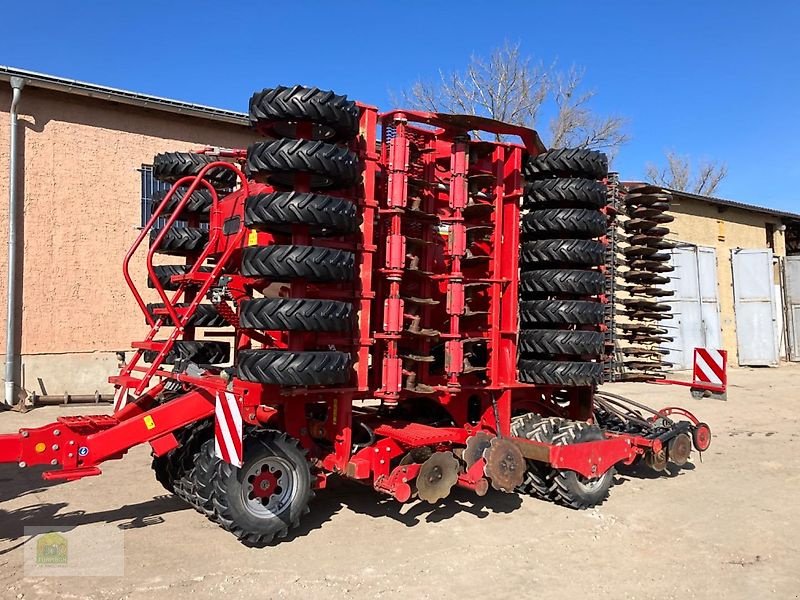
x,y
124,380
149,345
199,277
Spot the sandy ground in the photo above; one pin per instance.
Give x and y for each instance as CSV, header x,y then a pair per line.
x,y
724,528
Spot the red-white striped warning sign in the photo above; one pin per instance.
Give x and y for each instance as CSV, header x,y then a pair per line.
x,y
709,366
228,429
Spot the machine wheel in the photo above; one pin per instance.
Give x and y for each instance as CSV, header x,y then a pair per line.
x,y
577,312
164,274
543,253
549,372
200,352
180,240
565,192
552,341
172,166
538,475
199,202
290,368
562,281
205,315
279,162
567,162
298,262
294,314
568,487
172,466
201,478
326,215
583,223
269,494
277,110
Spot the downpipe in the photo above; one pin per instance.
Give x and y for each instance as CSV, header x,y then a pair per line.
x,y
12,351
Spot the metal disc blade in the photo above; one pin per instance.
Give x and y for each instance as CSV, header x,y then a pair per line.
x,y
505,465
437,476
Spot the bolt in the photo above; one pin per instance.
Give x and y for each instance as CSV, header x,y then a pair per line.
x,y
24,433
56,432
54,462
382,461
55,446
72,442
23,464
70,455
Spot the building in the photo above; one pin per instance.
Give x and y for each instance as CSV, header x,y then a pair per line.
x,y
84,178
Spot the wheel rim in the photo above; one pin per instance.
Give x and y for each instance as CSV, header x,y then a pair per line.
x,y
268,487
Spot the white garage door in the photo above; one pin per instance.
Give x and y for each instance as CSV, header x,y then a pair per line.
x,y
754,305
792,266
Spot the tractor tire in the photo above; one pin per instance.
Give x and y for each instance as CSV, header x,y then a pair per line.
x,y
165,273
567,162
543,254
576,223
277,110
279,162
568,487
200,352
197,434
325,215
201,478
172,166
538,476
549,342
561,312
180,241
551,193
272,461
548,372
283,263
170,467
205,315
294,368
199,203
295,314
561,281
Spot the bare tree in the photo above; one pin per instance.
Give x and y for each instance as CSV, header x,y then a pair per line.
x,y
511,87
677,174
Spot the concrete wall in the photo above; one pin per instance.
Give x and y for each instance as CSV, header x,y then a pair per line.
x,y
82,212
724,229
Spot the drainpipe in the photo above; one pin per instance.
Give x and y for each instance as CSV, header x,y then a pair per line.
x,y
12,352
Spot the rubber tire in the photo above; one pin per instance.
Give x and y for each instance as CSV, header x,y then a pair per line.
x,y
283,263
567,162
547,253
326,215
296,314
172,166
547,372
279,161
180,241
169,467
549,223
547,193
567,487
202,479
205,315
562,312
294,368
198,432
164,274
337,116
202,352
199,202
561,281
549,342
538,475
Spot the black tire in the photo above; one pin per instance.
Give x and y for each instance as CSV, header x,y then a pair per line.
x,y
561,281
538,475
542,254
197,433
326,215
561,312
169,468
200,352
165,273
283,263
547,372
172,166
580,223
549,342
276,111
279,161
568,487
290,368
201,477
295,314
205,315
180,241
565,192
237,509
199,202
567,162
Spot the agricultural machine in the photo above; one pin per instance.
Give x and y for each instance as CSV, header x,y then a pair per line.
x,y
389,298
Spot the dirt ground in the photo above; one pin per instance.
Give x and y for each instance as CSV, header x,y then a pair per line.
x,y
724,528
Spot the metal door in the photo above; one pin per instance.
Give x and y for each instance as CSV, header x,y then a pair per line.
x,y
754,305
792,270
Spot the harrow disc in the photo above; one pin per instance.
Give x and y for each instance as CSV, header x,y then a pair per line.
x,y
476,445
437,476
505,465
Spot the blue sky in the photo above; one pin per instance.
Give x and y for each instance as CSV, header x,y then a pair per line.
x,y
715,79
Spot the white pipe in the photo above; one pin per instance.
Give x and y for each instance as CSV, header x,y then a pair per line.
x,y
12,351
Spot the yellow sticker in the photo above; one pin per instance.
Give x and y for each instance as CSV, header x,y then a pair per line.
x,y
252,238
149,423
